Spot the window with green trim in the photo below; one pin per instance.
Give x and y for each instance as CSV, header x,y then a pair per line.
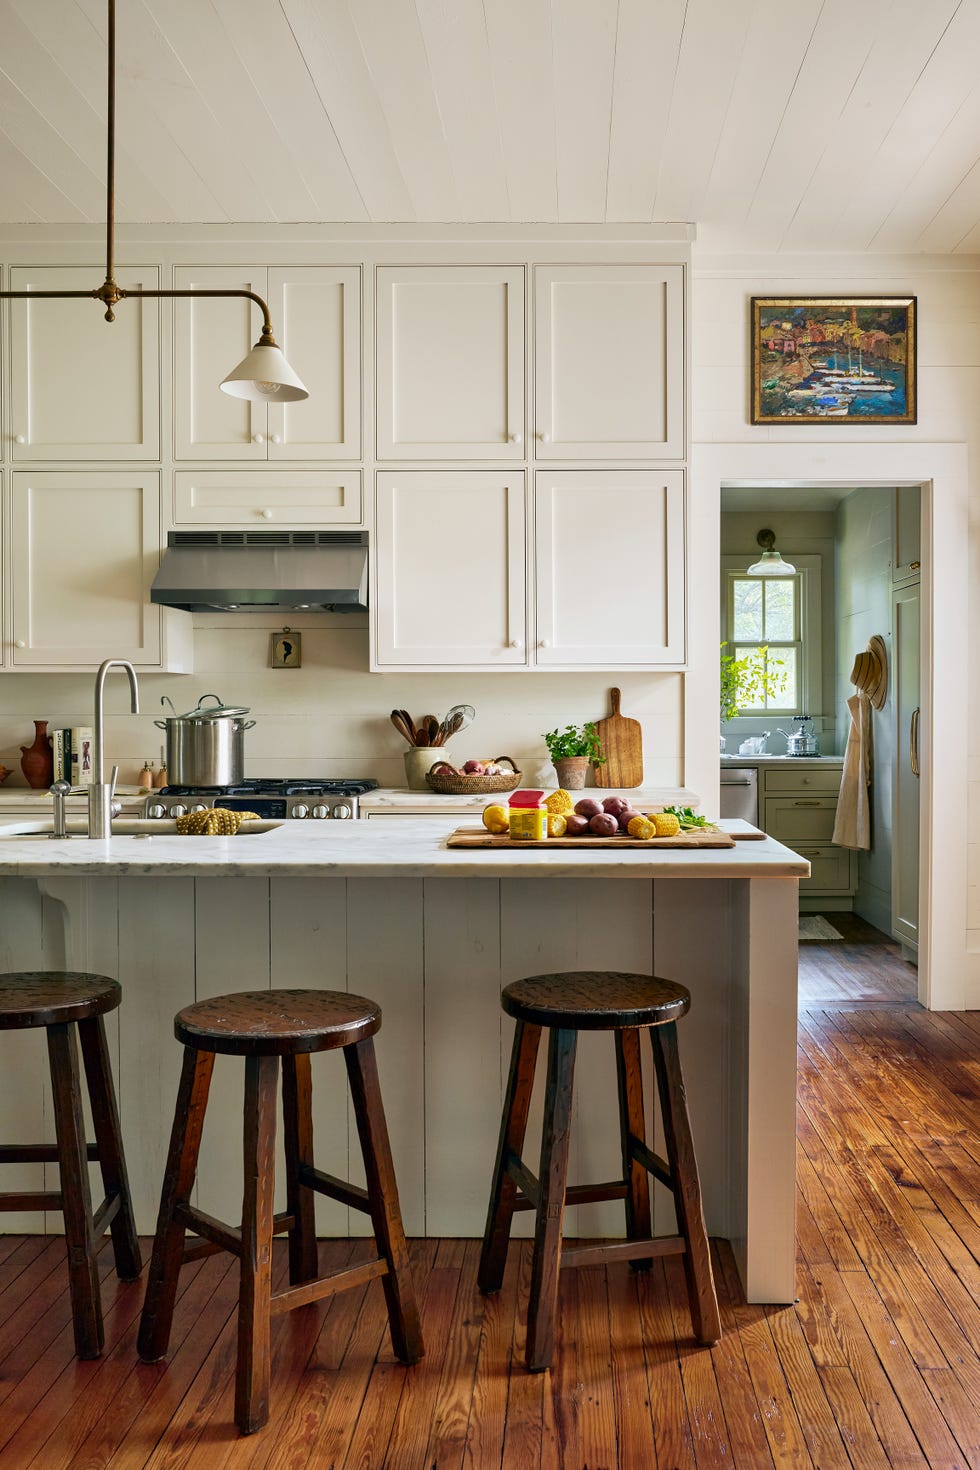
x,y
765,626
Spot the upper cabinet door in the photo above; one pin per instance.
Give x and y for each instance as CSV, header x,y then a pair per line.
x,y
609,362
84,548
451,362
212,335
450,569
82,387
609,552
316,314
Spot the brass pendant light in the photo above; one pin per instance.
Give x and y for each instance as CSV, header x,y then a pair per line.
x,y
263,375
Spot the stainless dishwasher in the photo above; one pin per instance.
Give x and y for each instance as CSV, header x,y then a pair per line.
x,y
740,793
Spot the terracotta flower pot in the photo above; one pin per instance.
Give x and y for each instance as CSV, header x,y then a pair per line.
x,y
572,772
37,761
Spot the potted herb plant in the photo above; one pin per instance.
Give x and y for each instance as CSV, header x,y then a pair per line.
x,y
748,681
572,751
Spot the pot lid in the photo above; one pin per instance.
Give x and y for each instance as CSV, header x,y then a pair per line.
x,y
217,711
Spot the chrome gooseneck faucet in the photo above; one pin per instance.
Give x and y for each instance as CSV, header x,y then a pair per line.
x,y
101,792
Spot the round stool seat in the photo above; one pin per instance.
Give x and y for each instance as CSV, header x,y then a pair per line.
x,y
54,997
595,1000
262,1023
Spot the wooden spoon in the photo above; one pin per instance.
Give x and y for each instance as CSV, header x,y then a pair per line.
x,y
398,719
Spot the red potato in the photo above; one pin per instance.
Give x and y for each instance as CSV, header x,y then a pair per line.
x,y
588,807
626,817
474,768
615,805
604,824
575,825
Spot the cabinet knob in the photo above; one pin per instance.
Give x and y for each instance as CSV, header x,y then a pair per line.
x,y
543,643
258,438
20,438
275,439
515,643
516,438
545,438
21,643
266,514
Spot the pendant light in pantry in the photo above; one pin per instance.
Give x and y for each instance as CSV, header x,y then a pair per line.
x,y
770,563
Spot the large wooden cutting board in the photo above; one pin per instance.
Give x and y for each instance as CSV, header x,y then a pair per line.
x,y
480,837
622,745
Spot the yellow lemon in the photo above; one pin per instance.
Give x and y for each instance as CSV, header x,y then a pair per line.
x,y
496,819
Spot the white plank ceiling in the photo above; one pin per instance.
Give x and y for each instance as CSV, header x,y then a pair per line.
x,y
770,124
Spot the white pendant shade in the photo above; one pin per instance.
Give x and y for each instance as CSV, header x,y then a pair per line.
x,y
770,564
265,376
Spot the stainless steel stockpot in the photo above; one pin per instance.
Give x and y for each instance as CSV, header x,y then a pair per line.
x,y
205,748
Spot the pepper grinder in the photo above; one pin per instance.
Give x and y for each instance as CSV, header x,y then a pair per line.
x,y
145,779
160,779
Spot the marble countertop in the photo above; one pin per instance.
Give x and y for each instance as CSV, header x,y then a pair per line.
x,y
410,849
728,759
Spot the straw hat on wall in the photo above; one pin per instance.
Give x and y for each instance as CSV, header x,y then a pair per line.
x,y
870,671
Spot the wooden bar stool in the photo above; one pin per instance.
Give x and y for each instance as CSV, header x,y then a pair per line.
x,y
62,1001
263,1026
595,1000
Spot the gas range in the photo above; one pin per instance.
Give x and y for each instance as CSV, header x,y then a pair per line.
x,y
296,800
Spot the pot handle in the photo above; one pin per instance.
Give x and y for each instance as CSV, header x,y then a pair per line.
x,y
215,697
246,724
161,724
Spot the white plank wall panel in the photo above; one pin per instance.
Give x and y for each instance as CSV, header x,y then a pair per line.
x,y
584,52
825,81
773,53
261,36
711,51
951,215
23,1054
385,963
204,50
852,141
454,33
308,951
325,33
463,1085
21,182
232,926
391,40
76,42
648,41
29,131
177,109
157,974
954,223
78,125
520,37
611,930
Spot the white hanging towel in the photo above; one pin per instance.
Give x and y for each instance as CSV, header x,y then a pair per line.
x,y
852,826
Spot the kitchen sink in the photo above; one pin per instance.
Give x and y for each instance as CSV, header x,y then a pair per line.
x,y
141,827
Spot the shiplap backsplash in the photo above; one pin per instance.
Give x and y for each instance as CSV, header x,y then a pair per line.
x,y
330,717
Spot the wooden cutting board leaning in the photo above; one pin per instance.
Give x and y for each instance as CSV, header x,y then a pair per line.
x,y
622,745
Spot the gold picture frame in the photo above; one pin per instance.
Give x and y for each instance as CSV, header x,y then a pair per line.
x,y
287,649
835,359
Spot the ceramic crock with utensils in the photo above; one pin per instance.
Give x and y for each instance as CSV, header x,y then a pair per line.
x,y
427,738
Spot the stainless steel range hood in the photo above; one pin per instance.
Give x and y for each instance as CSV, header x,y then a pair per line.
x,y
258,571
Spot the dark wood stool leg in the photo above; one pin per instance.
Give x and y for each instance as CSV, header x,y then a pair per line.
x,y
513,1126
108,1136
687,1188
297,1125
76,1195
543,1302
403,1312
255,1289
629,1076
178,1181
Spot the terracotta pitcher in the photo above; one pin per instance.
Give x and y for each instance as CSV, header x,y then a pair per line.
x,y
36,761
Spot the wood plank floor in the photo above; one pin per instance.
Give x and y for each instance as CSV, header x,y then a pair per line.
x,y
876,1365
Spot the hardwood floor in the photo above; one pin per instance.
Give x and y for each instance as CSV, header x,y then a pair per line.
x,y
876,1365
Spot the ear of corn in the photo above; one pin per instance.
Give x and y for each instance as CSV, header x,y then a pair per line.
x,y
560,803
215,822
666,823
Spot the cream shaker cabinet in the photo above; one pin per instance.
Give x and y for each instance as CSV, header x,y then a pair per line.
x,y
82,388
905,673
83,548
609,568
609,362
450,570
450,370
235,497
316,315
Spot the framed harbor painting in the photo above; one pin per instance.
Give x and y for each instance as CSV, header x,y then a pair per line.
x,y
850,360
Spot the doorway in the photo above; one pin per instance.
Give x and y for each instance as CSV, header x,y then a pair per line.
x,y
949,970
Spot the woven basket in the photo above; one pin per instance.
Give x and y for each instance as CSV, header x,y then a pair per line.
x,y
445,779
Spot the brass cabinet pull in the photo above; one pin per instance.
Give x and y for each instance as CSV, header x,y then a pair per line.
x,y
806,803
914,741
811,852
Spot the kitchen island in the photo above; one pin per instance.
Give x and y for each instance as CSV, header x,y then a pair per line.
x,y
433,934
